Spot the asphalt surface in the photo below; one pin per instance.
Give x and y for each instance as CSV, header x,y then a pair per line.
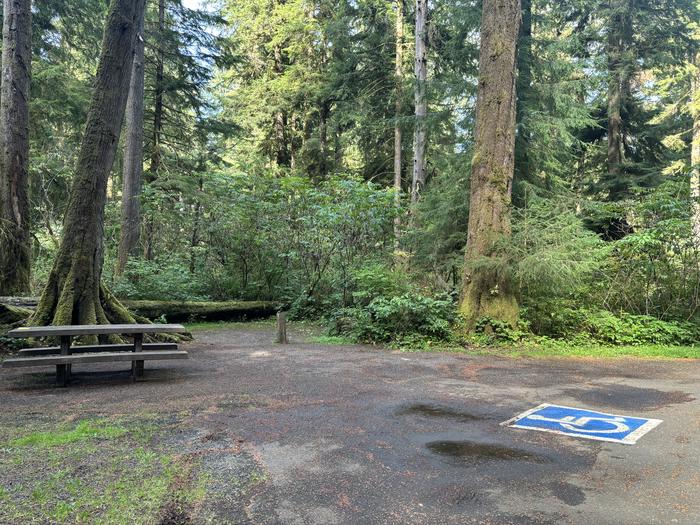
x,y
357,435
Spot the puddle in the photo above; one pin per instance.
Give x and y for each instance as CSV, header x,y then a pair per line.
x,y
627,397
568,493
470,450
430,410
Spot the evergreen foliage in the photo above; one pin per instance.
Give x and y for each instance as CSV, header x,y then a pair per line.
x,y
275,153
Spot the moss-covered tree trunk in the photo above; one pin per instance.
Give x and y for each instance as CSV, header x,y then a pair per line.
x,y
695,155
619,74
156,154
15,246
398,71
486,286
420,133
523,95
74,293
132,172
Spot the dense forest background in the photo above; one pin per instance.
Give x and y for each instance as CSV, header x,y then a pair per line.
x,y
277,132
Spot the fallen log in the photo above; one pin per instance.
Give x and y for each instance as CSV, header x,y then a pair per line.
x,y
15,309
206,311
10,315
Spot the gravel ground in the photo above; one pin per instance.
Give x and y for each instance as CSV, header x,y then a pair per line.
x,y
318,434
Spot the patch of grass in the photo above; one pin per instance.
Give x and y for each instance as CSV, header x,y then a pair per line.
x,y
331,340
97,471
201,326
553,348
564,349
85,430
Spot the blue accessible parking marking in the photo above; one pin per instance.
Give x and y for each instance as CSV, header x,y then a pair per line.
x,y
583,423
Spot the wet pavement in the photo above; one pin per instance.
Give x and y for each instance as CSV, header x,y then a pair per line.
x,y
357,435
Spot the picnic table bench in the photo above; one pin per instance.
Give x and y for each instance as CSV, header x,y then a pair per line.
x,y
65,355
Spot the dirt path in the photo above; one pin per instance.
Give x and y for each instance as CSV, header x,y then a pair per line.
x,y
314,434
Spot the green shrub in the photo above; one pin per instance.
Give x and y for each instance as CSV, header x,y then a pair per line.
x,y
160,281
377,280
395,319
602,326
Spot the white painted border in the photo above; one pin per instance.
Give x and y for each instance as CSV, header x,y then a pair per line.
x,y
630,439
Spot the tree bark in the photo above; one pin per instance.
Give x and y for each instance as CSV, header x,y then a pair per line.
x,y
618,88
282,156
398,70
15,240
487,290
695,156
421,101
133,159
156,159
523,88
74,293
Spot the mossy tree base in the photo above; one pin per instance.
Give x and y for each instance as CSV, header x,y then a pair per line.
x,y
486,284
477,305
74,293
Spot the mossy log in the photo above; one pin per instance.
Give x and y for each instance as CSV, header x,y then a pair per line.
x,y
206,311
11,315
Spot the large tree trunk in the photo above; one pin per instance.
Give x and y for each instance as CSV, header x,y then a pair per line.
x,y
15,246
523,93
695,155
156,153
398,69
421,101
487,290
74,293
618,88
133,159
282,156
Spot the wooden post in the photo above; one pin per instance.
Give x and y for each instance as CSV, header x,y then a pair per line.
x,y
63,371
137,366
281,328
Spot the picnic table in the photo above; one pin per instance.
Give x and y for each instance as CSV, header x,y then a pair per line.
x,y
65,355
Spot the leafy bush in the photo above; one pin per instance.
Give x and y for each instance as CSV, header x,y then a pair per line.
x,y
602,326
393,319
656,269
377,280
159,280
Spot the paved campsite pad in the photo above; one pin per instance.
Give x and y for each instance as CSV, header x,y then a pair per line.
x,y
314,434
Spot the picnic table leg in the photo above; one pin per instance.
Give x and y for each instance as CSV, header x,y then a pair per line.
x,y
63,371
137,366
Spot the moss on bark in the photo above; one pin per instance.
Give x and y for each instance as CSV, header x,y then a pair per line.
x,y
487,290
74,293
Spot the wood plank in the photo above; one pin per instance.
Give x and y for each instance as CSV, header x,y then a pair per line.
x,y
124,329
94,358
82,349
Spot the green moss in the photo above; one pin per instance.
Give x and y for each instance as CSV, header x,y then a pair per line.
x,y
10,315
206,310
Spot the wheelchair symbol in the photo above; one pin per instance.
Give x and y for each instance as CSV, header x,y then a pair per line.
x,y
579,424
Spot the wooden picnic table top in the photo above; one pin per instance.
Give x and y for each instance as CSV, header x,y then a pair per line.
x,y
94,329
